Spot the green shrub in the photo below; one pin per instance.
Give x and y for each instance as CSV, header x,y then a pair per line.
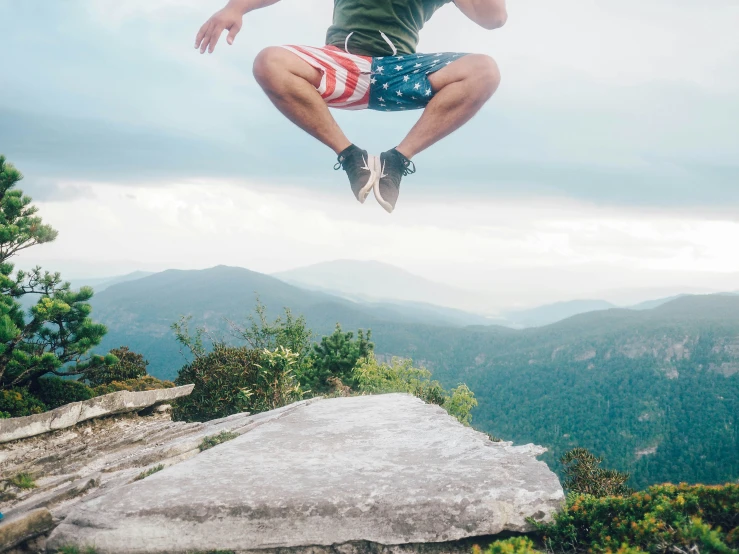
x,y
141,384
335,357
215,440
515,545
460,402
18,402
584,476
400,376
130,365
231,380
150,471
55,392
661,518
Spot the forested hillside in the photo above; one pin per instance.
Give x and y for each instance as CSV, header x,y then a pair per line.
x,y
655,391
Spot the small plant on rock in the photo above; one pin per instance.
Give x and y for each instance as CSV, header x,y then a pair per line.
x,y
23,481
150,471
215,440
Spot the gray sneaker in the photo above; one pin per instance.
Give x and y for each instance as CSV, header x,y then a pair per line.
x,y
360,167
392,166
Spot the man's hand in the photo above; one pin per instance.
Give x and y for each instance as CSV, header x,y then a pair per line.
x,y
490,14
230,18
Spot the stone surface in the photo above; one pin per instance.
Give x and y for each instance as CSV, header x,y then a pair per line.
x,y
21,527
98,457
71,414
381,470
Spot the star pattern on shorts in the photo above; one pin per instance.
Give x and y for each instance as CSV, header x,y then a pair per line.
x,y
402,82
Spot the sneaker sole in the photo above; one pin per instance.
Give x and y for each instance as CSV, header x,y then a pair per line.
x,y
365,190
376,188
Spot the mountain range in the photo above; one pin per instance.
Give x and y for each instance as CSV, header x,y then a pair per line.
x,y
656,390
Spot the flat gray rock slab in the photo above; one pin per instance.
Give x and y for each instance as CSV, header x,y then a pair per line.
x,y
71,414
386,469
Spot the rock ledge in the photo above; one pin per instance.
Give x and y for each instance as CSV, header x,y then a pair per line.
x,y
383,470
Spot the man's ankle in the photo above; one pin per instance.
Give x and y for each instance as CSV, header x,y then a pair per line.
x,y
407,155
346,149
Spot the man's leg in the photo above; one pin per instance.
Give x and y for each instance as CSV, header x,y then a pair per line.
x,y
291,83
461,89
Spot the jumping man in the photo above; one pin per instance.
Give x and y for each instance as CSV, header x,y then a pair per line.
x,y
370,61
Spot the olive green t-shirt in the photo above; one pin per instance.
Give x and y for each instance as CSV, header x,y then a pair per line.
x,y
367,21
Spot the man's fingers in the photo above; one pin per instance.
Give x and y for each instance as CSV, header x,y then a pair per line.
x,y
201,34
232,32
214,36
206,37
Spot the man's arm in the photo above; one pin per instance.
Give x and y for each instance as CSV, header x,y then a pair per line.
x,y
490,14
230,17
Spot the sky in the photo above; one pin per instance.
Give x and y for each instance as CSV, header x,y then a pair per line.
x,y
604,167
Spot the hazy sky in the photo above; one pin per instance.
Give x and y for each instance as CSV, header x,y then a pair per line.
x,y
607,161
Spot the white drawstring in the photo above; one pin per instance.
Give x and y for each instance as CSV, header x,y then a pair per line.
x,y
384,36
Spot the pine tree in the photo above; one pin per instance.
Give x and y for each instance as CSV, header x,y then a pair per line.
x,y
336,356
56,334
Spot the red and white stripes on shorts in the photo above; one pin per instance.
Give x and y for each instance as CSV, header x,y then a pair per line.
x,y
345,81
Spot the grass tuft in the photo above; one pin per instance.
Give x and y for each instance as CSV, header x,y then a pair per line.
x,y
23,481
215,440
150,471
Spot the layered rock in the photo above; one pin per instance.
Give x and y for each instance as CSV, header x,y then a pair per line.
x,y
374,470
71,414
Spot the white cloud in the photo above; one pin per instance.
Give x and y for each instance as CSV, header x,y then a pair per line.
x,y
526,250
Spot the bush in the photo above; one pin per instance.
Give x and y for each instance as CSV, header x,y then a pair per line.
x,y
335,357
134,385
515,545
130,365
230,380
584,476
55,392
18,402
659,519
400,376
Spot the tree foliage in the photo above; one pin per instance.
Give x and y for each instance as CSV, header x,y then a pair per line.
x,y
57,332
401,376
287,331
129,365
230,380
585,476
335,357
660,519
55,392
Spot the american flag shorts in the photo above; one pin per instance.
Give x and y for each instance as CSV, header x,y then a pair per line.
x,y
389,83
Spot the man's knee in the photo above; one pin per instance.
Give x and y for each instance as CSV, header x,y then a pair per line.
x,y
485,73
267,66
